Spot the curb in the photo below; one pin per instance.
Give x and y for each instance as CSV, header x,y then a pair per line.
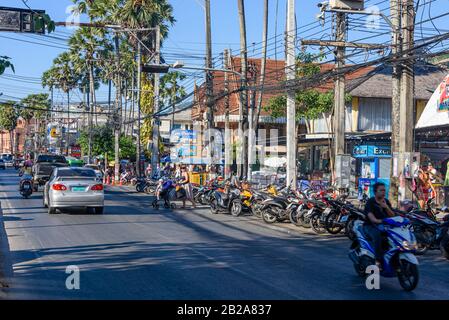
x,y
6,270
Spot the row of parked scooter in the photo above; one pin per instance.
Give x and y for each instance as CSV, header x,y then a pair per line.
x,y
321,211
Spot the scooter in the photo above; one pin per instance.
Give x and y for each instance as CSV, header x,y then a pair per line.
x,y
26,186
229,202
398,260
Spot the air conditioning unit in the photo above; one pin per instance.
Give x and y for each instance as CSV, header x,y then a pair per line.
x,y
347,4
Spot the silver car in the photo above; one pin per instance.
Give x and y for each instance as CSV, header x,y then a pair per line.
x,y
74,188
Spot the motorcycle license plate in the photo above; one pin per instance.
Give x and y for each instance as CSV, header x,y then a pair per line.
x,y
327,211
26,186
344,219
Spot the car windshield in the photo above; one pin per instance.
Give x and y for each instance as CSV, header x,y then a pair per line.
x,y
75,172
51,158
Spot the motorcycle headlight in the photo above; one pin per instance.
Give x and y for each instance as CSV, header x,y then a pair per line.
x,y
409,245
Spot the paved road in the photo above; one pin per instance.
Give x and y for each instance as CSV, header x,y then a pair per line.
x,y
134,252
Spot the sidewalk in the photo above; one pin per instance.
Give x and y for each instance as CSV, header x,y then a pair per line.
x,y
6,271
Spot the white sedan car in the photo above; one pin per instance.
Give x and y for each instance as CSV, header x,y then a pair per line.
x,y
74,188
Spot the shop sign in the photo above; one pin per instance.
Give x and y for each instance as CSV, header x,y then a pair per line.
x,y
366,151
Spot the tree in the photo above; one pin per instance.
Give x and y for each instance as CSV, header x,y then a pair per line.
x,y
5,63
171,91
35,106
312,103
103,142
8,120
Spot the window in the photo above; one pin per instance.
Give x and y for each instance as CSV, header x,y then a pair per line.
x,y
374,114
176,126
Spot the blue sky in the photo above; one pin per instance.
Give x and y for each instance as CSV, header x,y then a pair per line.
x,y
186,38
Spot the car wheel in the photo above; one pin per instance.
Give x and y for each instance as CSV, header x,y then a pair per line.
x,y
99,210
51,210
44,202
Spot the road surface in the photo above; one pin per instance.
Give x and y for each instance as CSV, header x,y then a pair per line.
x,y
136,252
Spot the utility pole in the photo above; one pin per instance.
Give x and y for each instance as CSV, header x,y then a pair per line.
x,y
139,86
339,93
209,80
242,160
155,153
407,92
228,150
118,107
291,104
395,17
68,123
89,126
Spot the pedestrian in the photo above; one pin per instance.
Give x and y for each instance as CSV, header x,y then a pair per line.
x,y
187,187
424,188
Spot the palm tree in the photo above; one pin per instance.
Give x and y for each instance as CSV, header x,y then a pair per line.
x,y
37,107
171,91
85,45
66,80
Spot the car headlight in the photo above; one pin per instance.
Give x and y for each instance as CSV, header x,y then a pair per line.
x,y
409,245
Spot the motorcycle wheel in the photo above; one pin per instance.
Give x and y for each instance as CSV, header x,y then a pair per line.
x,y
360,268
236,208
315,223
422,239
268,217
293,216
214,206
409,275
302,221
256,211
349,232
139,188
332,225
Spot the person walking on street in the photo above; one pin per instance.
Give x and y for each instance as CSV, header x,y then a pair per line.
x,y
424,190
187,186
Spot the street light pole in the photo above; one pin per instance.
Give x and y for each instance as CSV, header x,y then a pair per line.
x,y
155,153
139,85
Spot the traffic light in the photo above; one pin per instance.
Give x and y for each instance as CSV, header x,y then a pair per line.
x,y
22,20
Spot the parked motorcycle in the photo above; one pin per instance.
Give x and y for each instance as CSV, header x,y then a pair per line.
x,y
227,201
399,259
26,186
278,209
428,232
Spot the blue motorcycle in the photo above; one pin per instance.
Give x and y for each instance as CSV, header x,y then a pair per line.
x,y
399,247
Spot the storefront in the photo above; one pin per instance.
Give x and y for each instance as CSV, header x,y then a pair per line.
x,y
373,165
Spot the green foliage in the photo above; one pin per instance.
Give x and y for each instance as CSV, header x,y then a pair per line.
x,y
36,106
103,142
127,148
44,22
171,90
5,63
311,103
8,116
